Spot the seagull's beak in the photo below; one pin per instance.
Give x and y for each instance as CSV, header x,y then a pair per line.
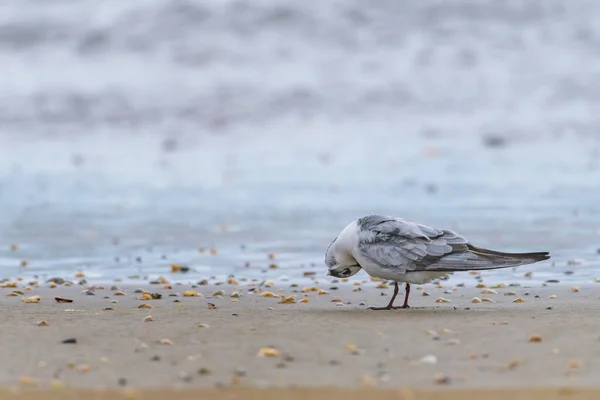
x,y
328,273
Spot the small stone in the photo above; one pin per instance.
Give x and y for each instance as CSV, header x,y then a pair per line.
x,y
122,382
429,359
204,371
441,379
70,341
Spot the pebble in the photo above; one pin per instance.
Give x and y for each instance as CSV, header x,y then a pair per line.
x,y
70,341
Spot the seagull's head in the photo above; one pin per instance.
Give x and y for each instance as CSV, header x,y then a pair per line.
x,y
339,260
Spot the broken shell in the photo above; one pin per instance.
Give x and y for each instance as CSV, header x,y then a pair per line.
x,y
145,305
310,289
486,300
382,285
268,294
442,300
489,291
336,300
288,300
120,293
218,293
268,352
166,342
322,292
148,318
519,300
476,300
553,296
304,300
62,300
424,294
574,288
43,323
235,294
202,325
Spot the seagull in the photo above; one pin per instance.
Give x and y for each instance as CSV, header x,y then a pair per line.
x,y
400,250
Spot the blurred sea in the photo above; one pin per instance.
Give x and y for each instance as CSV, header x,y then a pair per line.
x,y
132,133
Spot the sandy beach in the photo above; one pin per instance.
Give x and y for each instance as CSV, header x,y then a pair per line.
x,y
321,343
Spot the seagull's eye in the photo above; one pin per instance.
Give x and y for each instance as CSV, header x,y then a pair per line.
x,y
346,271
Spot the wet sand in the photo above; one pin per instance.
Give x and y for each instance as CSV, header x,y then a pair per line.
x,y
317,344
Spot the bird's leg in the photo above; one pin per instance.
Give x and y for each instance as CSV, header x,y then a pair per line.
x,y
405,305
390,305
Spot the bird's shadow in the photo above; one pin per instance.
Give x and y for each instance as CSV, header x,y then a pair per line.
x,y
413,311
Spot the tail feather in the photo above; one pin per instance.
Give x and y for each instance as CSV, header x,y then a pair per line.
x,y
500,259
471,258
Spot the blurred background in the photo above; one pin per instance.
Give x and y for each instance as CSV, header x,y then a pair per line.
x,y
134,133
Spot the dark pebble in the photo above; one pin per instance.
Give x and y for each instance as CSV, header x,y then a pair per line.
x,y
280,365
549,308
334,362
90,293
155,358
70,341
333,288
122,382
204,371
176,301
235,315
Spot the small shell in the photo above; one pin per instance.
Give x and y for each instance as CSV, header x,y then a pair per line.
x,y
336,300
27,381
268,294
480,285
476,300
510,294
202,325
42,323
120,293
235,294
217,293
167,342
382,285
442,300
425,294
148,318
268,352
33,299
553,296
574,288
145,296
321,291
489,291
519,300
304,300
486,300
535,338
310,289
190,293
232,281
145,305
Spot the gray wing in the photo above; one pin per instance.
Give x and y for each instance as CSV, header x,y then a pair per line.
x,y
408,246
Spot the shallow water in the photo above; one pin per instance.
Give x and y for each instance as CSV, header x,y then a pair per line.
x,y
257,127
